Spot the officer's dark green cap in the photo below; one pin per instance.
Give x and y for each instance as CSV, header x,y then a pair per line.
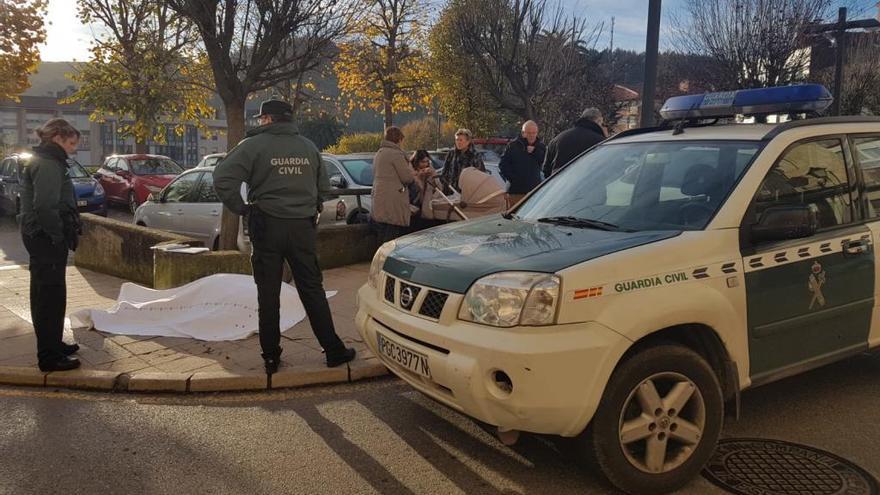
x,y
275,107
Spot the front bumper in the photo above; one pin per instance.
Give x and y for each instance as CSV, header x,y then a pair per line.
x,y
557,373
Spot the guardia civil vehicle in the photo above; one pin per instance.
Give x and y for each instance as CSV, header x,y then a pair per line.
x,y
630,298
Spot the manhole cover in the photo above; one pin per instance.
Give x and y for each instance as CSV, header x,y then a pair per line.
x,y
749,466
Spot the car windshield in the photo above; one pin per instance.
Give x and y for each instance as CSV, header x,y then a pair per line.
x,y
643,186
77,171
360,170
155,166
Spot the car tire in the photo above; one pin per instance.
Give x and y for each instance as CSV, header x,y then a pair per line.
x,y
132,202
675,443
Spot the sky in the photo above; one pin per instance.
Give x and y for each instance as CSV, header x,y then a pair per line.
x,y
68,39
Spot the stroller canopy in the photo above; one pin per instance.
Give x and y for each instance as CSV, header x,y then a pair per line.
x,y
481,195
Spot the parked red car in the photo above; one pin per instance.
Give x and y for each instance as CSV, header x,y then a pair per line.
x,y
129,179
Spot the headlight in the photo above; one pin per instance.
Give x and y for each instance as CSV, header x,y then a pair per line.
x,y
379,261
509,299
99,189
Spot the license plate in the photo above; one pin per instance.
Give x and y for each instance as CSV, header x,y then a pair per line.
x,y
404,356
81,202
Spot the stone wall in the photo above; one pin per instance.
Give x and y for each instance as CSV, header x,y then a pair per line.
x,y
123,250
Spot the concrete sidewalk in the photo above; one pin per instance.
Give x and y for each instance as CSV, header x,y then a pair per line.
x,y
122,363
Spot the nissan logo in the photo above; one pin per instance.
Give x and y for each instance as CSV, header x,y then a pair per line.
x,y
406,297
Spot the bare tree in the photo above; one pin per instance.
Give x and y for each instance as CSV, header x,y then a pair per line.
x,y
861,80
529,55
756,43
256,44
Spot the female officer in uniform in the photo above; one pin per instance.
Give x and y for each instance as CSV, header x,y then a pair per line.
x,y
49,227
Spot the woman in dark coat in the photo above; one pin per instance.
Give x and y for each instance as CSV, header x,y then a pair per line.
x,y
49,228
464,155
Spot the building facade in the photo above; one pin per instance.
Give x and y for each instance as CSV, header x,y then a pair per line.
x,y
19,121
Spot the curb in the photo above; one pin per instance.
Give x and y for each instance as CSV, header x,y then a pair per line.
x,y
219,381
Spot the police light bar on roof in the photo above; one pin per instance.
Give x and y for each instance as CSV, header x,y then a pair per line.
x,y
804,98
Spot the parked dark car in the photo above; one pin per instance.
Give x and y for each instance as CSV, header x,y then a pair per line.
x,y
90,197
129,179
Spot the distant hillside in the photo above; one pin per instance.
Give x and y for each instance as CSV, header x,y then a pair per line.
x,y
49,80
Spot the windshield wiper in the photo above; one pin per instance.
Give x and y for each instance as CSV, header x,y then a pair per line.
x,y
583,223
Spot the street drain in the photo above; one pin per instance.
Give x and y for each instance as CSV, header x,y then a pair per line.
x,y
750,466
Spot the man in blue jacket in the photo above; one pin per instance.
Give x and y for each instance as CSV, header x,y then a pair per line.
x,y
521,162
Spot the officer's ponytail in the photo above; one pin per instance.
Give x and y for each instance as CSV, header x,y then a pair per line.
x,y
56,127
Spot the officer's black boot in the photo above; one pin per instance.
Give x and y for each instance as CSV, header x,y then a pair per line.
x,y
339,359
272,361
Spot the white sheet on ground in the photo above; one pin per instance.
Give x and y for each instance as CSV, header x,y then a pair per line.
x,y
217,307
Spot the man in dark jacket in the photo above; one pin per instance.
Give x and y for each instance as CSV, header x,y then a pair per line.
x,y
287,179
521,162
586,132
464,155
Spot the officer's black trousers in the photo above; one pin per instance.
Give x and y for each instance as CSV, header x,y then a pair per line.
x,y
291,239
48,263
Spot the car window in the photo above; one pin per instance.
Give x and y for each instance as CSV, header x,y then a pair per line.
x,y
331,168
644,186
360,170
867,151
180,191
6,168
77,171
109,164
121,165
212,160
812,174
156,166
206,192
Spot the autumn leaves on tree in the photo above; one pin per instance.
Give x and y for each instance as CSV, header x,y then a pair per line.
x,y
19,52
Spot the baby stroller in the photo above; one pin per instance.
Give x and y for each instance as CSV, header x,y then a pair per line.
x,y
480,195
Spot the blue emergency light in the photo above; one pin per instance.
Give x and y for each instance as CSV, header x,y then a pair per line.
x,y
804,98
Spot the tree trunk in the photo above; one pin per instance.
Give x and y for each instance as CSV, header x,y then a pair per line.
x,y
389,109
140,147
229,221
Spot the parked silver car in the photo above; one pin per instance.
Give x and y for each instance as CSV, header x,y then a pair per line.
x,y
189,206
352,171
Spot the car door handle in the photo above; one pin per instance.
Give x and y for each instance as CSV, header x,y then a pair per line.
x,y
856,247
215,213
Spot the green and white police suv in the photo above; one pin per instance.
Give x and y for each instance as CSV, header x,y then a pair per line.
x,y
634,294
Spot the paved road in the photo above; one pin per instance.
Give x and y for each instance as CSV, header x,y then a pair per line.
x,y
12,251
377,437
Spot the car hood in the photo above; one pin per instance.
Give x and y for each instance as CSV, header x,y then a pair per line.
x,y
454,256
84,184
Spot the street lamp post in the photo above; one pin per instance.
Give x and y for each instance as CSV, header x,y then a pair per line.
x,y
652,45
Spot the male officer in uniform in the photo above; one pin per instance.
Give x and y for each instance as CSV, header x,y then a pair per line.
x,y
286,179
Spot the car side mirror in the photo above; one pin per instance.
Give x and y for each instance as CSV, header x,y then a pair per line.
x,y
123,173
779,223
338,181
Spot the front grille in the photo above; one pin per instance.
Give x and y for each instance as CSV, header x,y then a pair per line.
x,y
408,295
433,304
389,289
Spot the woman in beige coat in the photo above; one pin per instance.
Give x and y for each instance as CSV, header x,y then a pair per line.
x,y
392,173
